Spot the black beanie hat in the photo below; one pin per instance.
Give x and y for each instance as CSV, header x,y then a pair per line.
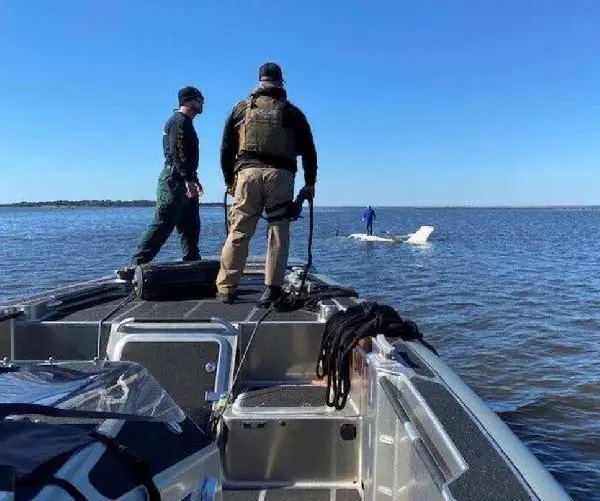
x,y
270,72
189,93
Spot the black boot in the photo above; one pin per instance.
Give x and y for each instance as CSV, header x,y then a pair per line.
x,y
272,293
226,297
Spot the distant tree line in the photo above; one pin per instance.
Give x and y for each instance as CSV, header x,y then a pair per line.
x,y
91,203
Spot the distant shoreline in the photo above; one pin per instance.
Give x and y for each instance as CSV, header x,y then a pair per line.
x,y
94,203
152,203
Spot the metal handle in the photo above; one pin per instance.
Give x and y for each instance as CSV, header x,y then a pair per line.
x,y
214,320
225,323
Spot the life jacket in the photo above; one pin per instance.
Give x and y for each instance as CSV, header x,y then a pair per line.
x,y
263,131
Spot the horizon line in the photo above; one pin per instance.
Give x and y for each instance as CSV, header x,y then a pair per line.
x,y
149,202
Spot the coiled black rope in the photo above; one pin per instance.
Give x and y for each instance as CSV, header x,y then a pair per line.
x,y
342,333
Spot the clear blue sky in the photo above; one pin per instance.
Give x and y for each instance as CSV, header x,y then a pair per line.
x,y
411,102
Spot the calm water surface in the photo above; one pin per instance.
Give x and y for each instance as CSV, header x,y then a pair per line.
x,y
509,297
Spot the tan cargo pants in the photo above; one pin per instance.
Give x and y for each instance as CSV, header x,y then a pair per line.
x,y
257,188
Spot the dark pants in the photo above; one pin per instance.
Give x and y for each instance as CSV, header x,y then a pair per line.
x,y
369,226
173,210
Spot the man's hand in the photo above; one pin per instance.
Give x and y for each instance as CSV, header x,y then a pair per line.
x,y
193,189
308,192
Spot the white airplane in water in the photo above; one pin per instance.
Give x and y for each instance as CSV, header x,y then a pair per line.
x,y
419,237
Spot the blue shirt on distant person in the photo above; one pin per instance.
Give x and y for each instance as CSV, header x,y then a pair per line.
x,y
369,216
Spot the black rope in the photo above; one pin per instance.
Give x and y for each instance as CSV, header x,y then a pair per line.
x,y
344,330
301,299
226,214
310,241
254,331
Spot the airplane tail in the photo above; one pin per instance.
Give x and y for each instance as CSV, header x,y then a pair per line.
x,y
420,236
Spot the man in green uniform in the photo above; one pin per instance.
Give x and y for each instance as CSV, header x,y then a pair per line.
x,y
263,136
178,188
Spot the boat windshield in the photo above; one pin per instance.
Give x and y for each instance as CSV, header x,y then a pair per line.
x,y
95,386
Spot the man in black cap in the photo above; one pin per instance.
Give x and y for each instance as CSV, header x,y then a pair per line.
x,y
263,136
178,188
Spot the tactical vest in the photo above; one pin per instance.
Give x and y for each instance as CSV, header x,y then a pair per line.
x,y
262,130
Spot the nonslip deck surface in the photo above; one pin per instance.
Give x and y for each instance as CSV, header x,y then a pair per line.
x,y
283,396
200,309
488,477
245,308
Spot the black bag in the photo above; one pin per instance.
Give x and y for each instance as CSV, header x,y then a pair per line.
x,y
176,281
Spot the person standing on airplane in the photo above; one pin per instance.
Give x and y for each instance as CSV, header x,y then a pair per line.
x,y
369,216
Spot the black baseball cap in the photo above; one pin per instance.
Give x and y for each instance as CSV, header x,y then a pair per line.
x,y
188,94
270,72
